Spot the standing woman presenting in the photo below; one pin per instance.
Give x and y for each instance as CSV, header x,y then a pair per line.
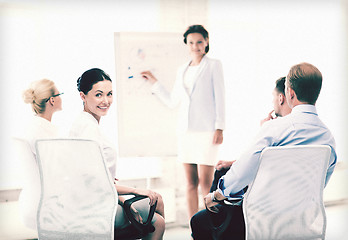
x,y
200,93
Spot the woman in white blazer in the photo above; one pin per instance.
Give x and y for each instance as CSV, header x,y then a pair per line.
x,y
44,98
199,91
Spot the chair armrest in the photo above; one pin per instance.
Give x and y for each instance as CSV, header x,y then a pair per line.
x,y
142,227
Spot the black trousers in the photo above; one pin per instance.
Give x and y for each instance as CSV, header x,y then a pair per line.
x,y
203,222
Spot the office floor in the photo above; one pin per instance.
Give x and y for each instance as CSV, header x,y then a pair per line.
x,y
337,218
177,228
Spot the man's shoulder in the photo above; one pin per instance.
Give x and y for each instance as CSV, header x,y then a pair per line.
x,y
279,121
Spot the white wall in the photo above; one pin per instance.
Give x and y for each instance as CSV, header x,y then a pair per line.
x,y
257,42
59,40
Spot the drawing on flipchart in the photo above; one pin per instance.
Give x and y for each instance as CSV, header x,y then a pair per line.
x,y
138,62
146,127
147,58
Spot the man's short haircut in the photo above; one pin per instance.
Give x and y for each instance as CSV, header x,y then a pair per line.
x,y
306,80
280,85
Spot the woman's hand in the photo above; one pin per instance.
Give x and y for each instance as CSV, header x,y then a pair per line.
x,y
223,164
148,76
218,137
123,190
153,196
136,214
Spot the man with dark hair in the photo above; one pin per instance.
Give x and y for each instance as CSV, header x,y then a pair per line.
x,y
280,105
280,109
301,127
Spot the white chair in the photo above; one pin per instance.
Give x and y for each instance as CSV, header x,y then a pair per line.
x,y
30,181
78,197
285,201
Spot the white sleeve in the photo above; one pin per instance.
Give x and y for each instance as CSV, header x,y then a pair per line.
x,y
219,93
171,99
244,170
92,132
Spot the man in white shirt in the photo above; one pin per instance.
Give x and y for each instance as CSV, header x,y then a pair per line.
x,y
301,127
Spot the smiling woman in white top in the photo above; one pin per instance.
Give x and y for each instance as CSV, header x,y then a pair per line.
x,y
199,91
95,89
45,100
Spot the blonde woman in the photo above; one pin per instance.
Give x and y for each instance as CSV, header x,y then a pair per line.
x,y
45,100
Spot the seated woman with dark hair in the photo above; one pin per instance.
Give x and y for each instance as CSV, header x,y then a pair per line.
x,y
95,89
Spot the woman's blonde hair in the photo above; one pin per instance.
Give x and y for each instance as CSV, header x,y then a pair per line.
x,y
38,93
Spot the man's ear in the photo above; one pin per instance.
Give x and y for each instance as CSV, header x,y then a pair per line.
x,y
281,99
292,93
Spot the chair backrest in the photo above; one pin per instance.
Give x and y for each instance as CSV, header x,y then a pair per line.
x,y
26,159
25,155
78,197
285,201
30,181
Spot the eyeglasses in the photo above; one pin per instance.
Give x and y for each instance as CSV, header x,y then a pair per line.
x,y
55,95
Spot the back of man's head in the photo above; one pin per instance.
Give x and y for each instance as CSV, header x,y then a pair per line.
x,y
306,80
280,85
